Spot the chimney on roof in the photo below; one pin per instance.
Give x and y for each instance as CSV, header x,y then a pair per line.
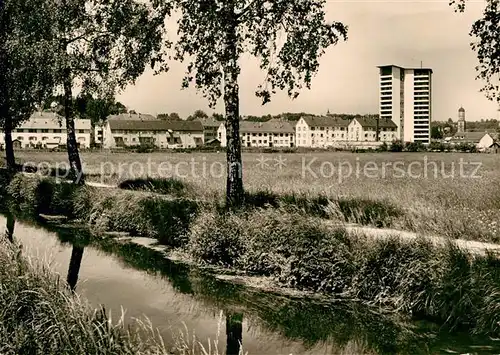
x,y
130,114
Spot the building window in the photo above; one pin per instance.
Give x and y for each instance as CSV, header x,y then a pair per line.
x,y
32,131
45,131
81,131
20,130
260,141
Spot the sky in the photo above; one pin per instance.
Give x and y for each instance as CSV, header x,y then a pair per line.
x,y
399,32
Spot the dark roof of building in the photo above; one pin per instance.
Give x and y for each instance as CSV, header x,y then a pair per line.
x,y
271,126
155,125
209,122
372,122
132,116
325,121
407,68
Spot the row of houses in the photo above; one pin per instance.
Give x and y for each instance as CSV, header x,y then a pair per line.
x,y
314,132
45,130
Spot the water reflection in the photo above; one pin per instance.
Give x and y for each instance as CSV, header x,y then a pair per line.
x,y
234,333
268,318
10,224
74,266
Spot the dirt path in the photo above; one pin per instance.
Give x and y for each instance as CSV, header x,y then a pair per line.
x,y
475,247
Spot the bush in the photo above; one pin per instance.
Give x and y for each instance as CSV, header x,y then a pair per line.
x,y
396,146
294,249
216,239
415,147
142,214
39,195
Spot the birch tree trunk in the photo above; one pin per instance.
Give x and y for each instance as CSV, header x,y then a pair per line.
x,y
234,191
9,145
71,144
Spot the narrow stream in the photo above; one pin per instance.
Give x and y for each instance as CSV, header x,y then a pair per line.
x,y
175,298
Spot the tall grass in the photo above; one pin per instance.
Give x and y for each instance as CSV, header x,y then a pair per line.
x,y
442,283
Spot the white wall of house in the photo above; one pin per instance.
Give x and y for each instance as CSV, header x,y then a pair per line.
x,y
356,131
221,135
319,137
48,134
303,134
267,139
485,142
259,139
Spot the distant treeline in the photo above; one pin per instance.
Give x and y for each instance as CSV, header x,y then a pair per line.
x,y
287,116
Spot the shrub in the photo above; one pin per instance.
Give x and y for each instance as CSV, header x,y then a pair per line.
x,y
216,239
415,147
296,250
396,146
163,186
143,214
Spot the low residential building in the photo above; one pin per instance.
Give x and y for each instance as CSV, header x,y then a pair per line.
x,y
158,133
321,132
273,134
47,130
482,140
363,129
100,128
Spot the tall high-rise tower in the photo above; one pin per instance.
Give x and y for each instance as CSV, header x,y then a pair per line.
x,y
461,120
406,99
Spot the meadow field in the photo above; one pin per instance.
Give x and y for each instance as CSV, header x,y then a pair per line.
x,y
448,194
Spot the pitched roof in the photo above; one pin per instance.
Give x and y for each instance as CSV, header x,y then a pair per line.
x,y
50,120
372,122
469,137
209,122
272,126
132,116
155,125
325,121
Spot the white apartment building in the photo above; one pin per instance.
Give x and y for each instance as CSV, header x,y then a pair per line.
x,y
406,99
364,129
162,134
273,133
321,132
47,130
